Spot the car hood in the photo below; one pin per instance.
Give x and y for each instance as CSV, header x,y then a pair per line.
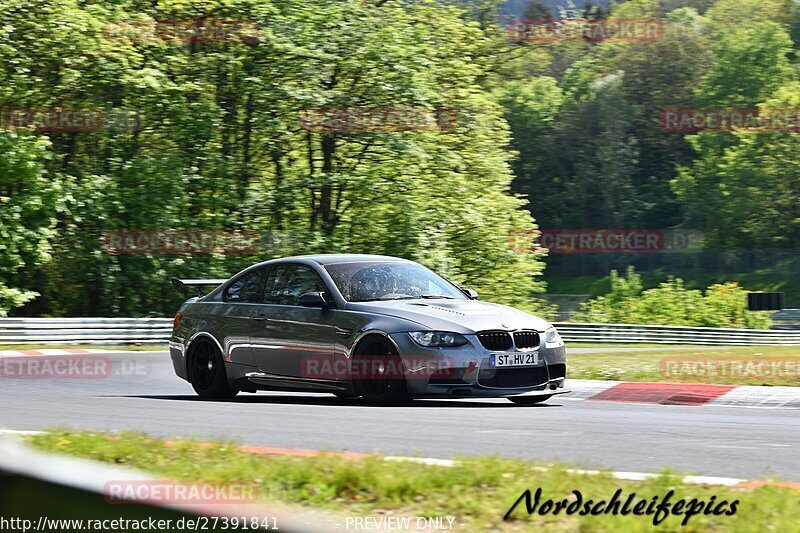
x,y
459,316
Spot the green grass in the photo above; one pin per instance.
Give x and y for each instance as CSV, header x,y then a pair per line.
x,y
756,281
478,491
645,365
614,345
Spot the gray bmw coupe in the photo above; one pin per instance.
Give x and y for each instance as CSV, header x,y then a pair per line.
x,y
382,328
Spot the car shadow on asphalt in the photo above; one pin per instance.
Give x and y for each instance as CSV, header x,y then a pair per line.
x,y
459,403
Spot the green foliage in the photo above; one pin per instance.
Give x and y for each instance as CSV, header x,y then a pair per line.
x,y
751,63
221,147
11,298
725,15
27,211
743,189
569,132
600,154
671,303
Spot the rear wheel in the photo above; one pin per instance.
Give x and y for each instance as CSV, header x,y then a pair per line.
x,y
379,374
207,371
530,400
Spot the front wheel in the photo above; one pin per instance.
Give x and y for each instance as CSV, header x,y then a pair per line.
x,y
207,372
379,375
530,400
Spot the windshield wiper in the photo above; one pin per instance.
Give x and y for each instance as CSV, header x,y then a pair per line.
x,y
384,299
422,296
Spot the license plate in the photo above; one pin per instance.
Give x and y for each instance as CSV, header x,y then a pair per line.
x,y
514,359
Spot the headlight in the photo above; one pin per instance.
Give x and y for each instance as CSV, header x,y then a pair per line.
x,y
551,338
437,339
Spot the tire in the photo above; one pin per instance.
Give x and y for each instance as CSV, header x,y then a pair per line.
x,y
376,353
207,372
529,400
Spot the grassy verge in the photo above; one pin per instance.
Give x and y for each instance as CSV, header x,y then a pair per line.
x,y
613,345
736,365
478,492
756,281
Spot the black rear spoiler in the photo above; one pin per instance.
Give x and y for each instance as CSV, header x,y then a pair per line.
x,y
181,284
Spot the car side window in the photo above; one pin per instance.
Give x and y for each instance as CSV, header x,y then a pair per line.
x,y
246,289
285,284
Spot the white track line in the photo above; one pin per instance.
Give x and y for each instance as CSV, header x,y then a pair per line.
x,y
421,460
18,432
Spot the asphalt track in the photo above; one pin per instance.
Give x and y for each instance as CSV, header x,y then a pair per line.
x,y
143,394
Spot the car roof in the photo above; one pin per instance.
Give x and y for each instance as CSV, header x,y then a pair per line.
x,y
329,259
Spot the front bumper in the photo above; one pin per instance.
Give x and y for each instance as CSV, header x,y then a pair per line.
x,y
465,371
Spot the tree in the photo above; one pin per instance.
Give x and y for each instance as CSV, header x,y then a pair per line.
x,y
591,156
532,109
757,179
27,210
751,63
221,145
537,10
738,178
652,83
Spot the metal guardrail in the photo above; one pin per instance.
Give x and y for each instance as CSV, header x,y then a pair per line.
x,y
158,330
786,319
85,330
634,333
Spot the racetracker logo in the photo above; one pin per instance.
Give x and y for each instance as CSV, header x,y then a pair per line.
x,y
183,31
178,492
55,367
381,367
676,120
584,29
605,241
181,242
69,120
696,368
385,119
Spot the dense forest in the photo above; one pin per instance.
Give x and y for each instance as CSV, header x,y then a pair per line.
x,y
206,134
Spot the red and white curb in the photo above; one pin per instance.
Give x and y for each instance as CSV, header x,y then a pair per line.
x,y
60,352
686,394
48,352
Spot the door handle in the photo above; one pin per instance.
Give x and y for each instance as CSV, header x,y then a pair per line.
x,y
260,317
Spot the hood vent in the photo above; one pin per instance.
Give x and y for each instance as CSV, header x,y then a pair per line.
x,y
448,310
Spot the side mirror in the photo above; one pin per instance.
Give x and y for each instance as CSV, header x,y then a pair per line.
x,y
472,293
312,299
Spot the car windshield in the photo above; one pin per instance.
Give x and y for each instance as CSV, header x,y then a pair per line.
x,y
366,282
